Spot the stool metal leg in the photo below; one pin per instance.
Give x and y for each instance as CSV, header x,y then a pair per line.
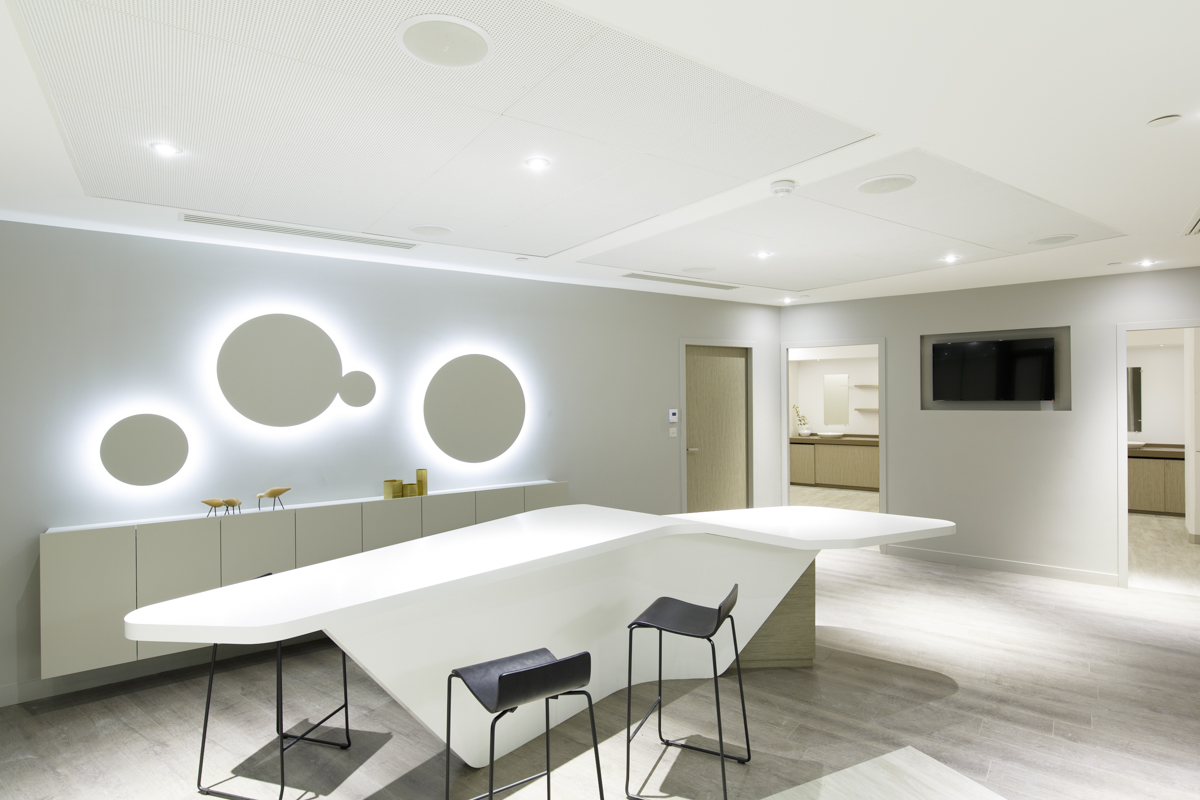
x,y
284,744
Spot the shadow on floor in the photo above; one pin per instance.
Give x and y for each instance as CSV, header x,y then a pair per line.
x,y
313,768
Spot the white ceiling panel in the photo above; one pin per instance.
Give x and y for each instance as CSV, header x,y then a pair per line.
x,y
114,160
958,202
345,150
809,245
762,136
488,181
530,39
276,26
621,90
654,185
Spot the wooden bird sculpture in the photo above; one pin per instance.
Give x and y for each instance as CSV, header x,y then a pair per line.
x,y
232,504
274,493
213,504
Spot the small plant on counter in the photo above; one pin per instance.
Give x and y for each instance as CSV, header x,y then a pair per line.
x,y
801,420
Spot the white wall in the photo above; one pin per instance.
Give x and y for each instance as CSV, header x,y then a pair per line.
x,y
99,326
1030,491
1162,392
807,389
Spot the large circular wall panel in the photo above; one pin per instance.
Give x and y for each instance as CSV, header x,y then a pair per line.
x,y
143,450
279,370
474,408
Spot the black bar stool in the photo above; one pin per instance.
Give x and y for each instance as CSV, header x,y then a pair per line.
x,y
698,622
286,740
502,685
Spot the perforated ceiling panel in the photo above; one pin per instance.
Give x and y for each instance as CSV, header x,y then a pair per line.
x,y
955,201
310,113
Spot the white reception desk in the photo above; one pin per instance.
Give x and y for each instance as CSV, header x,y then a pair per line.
x,y
568,578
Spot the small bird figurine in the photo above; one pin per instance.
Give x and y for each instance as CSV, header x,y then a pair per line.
x,y
232,504
213,504
274,493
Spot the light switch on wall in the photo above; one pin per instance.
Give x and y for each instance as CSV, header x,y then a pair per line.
x,y
672,415
673,432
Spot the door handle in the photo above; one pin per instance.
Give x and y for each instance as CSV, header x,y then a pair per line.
x,y
693,449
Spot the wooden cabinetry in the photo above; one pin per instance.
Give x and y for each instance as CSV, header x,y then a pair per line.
x,y
1156,486
803,464
839,465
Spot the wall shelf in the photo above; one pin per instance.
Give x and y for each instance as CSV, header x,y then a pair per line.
x,y
866,409
866,386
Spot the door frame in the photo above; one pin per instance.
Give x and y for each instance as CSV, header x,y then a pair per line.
x,y
1122,437
883,403
683,416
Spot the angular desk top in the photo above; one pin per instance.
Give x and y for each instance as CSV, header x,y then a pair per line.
x,y
313,598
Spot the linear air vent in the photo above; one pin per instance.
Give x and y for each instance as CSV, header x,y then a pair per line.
x,y
681,281
262,226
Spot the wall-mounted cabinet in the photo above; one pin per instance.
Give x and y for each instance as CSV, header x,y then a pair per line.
x,y
92,577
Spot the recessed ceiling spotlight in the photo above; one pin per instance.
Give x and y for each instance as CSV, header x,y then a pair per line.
x,y
699,270
950,259
1160,122
431,230
782,188
444,41
166,149
763,254
884,184
1146,263
537,164
1058,238
787,300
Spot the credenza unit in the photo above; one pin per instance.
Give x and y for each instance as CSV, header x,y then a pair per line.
x,y
1156,480
92,576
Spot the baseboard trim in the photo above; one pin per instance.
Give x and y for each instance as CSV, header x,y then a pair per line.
x,y
27,691
1002,565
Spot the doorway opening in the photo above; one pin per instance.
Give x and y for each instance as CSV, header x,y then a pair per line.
x,y
1160,402
833,430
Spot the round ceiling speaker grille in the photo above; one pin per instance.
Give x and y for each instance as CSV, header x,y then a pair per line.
x,y
1058,238
444,41
430,230
885,184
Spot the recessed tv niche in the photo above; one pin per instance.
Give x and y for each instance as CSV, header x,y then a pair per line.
x,y
994,369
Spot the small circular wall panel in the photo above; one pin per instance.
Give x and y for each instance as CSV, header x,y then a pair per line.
x,y
357,389
144,449
279,370
474,408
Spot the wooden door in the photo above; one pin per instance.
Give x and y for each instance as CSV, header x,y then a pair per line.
x,y
715,416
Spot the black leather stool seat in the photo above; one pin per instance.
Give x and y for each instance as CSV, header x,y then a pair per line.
x,y
676,616
503,684
516,680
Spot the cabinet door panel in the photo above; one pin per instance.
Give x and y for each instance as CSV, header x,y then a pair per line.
x,y
447,512
175,559
1174,487
803,464
1147,490
255,544
89,584
847,465
324,533
388,522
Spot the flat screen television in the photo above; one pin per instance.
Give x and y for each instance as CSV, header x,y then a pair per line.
x,y
1004,369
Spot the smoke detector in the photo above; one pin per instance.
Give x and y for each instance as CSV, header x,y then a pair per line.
x,y
782,188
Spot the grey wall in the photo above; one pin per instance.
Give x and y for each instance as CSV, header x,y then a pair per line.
x,y
1030,491
97,327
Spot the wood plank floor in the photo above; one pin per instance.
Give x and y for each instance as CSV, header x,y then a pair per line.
x,y
906,774
1160,555
1030,687
853,499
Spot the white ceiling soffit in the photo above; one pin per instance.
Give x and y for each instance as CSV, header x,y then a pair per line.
x,y
1165,337
839,351
309,113
829,233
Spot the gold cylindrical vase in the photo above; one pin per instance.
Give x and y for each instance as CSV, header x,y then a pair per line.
x,y
422,482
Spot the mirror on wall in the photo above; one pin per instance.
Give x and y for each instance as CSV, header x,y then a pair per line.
x,y
837,399
1133,398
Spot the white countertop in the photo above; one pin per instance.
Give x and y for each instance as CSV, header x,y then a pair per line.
x,y
312,598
